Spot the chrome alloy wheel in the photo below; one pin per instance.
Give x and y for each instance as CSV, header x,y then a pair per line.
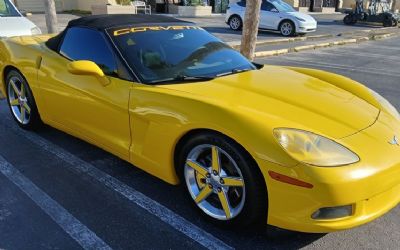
x,y
215,182
286,28
18,100
235,23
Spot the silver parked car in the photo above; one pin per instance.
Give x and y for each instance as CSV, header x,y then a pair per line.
x,y
274,15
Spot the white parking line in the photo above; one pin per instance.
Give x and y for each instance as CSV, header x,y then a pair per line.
x,y
163,213
72,226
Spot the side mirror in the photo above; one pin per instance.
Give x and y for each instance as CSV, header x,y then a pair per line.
x,y
274,10
87,68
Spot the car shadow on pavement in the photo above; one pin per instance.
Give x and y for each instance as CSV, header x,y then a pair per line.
x,y
286,239
271,237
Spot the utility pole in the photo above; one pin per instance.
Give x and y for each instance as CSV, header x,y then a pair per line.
x,y
394,5
250,28
16,4
51,16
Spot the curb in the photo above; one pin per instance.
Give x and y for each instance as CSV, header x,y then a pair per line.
x,y
322,45
236,44
271,53
383,36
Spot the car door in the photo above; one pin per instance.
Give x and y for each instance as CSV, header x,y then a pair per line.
x,y
269,16
81,104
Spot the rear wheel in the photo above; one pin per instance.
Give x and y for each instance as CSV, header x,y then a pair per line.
x,y
235,22
223,181
349,20
287,28
388,22
21,102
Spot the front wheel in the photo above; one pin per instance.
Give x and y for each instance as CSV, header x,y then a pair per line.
x,y
287,28
223,181
21,102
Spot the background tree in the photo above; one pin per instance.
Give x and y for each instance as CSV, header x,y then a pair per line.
x,y
250,28
51,16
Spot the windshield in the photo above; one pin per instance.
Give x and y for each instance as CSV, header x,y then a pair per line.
x,y
282,6
162,53
7,9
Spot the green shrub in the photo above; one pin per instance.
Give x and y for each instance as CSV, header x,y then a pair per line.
x,y
124,2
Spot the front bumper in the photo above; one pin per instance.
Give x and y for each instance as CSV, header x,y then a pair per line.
x,y
371,186
306,27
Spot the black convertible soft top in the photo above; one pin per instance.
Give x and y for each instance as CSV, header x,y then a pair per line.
x,y
103,22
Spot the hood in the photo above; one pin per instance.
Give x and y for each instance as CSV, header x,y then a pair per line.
x,y
304,16
280,97
15,26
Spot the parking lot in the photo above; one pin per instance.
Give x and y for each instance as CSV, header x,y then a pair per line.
x,y
57,192
327,24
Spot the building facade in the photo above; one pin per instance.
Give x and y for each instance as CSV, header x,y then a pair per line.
x,y
219,6
61,5
35,5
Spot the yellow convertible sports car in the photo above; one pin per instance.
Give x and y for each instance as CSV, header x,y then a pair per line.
x,y
297,148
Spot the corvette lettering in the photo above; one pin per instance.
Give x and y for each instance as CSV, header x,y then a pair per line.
x,y
152,28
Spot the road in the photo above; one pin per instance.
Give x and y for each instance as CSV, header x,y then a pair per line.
x,y
58,192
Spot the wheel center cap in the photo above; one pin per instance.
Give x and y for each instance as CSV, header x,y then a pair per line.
x,y
215,181
21,100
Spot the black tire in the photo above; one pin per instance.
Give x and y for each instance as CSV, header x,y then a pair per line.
x,y
348,20
254,211
395,23
287,28
34,121
235,23
388,22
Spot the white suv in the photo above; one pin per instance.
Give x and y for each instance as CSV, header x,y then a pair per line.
x,y
12,23
274,15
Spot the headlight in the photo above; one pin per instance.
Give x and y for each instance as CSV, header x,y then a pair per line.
x,y
36,31
386,104
314,149
300,19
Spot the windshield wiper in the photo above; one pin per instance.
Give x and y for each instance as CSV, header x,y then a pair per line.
x,y
233,71
184,78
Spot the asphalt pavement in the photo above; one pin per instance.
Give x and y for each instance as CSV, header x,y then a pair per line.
x,y
58,192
